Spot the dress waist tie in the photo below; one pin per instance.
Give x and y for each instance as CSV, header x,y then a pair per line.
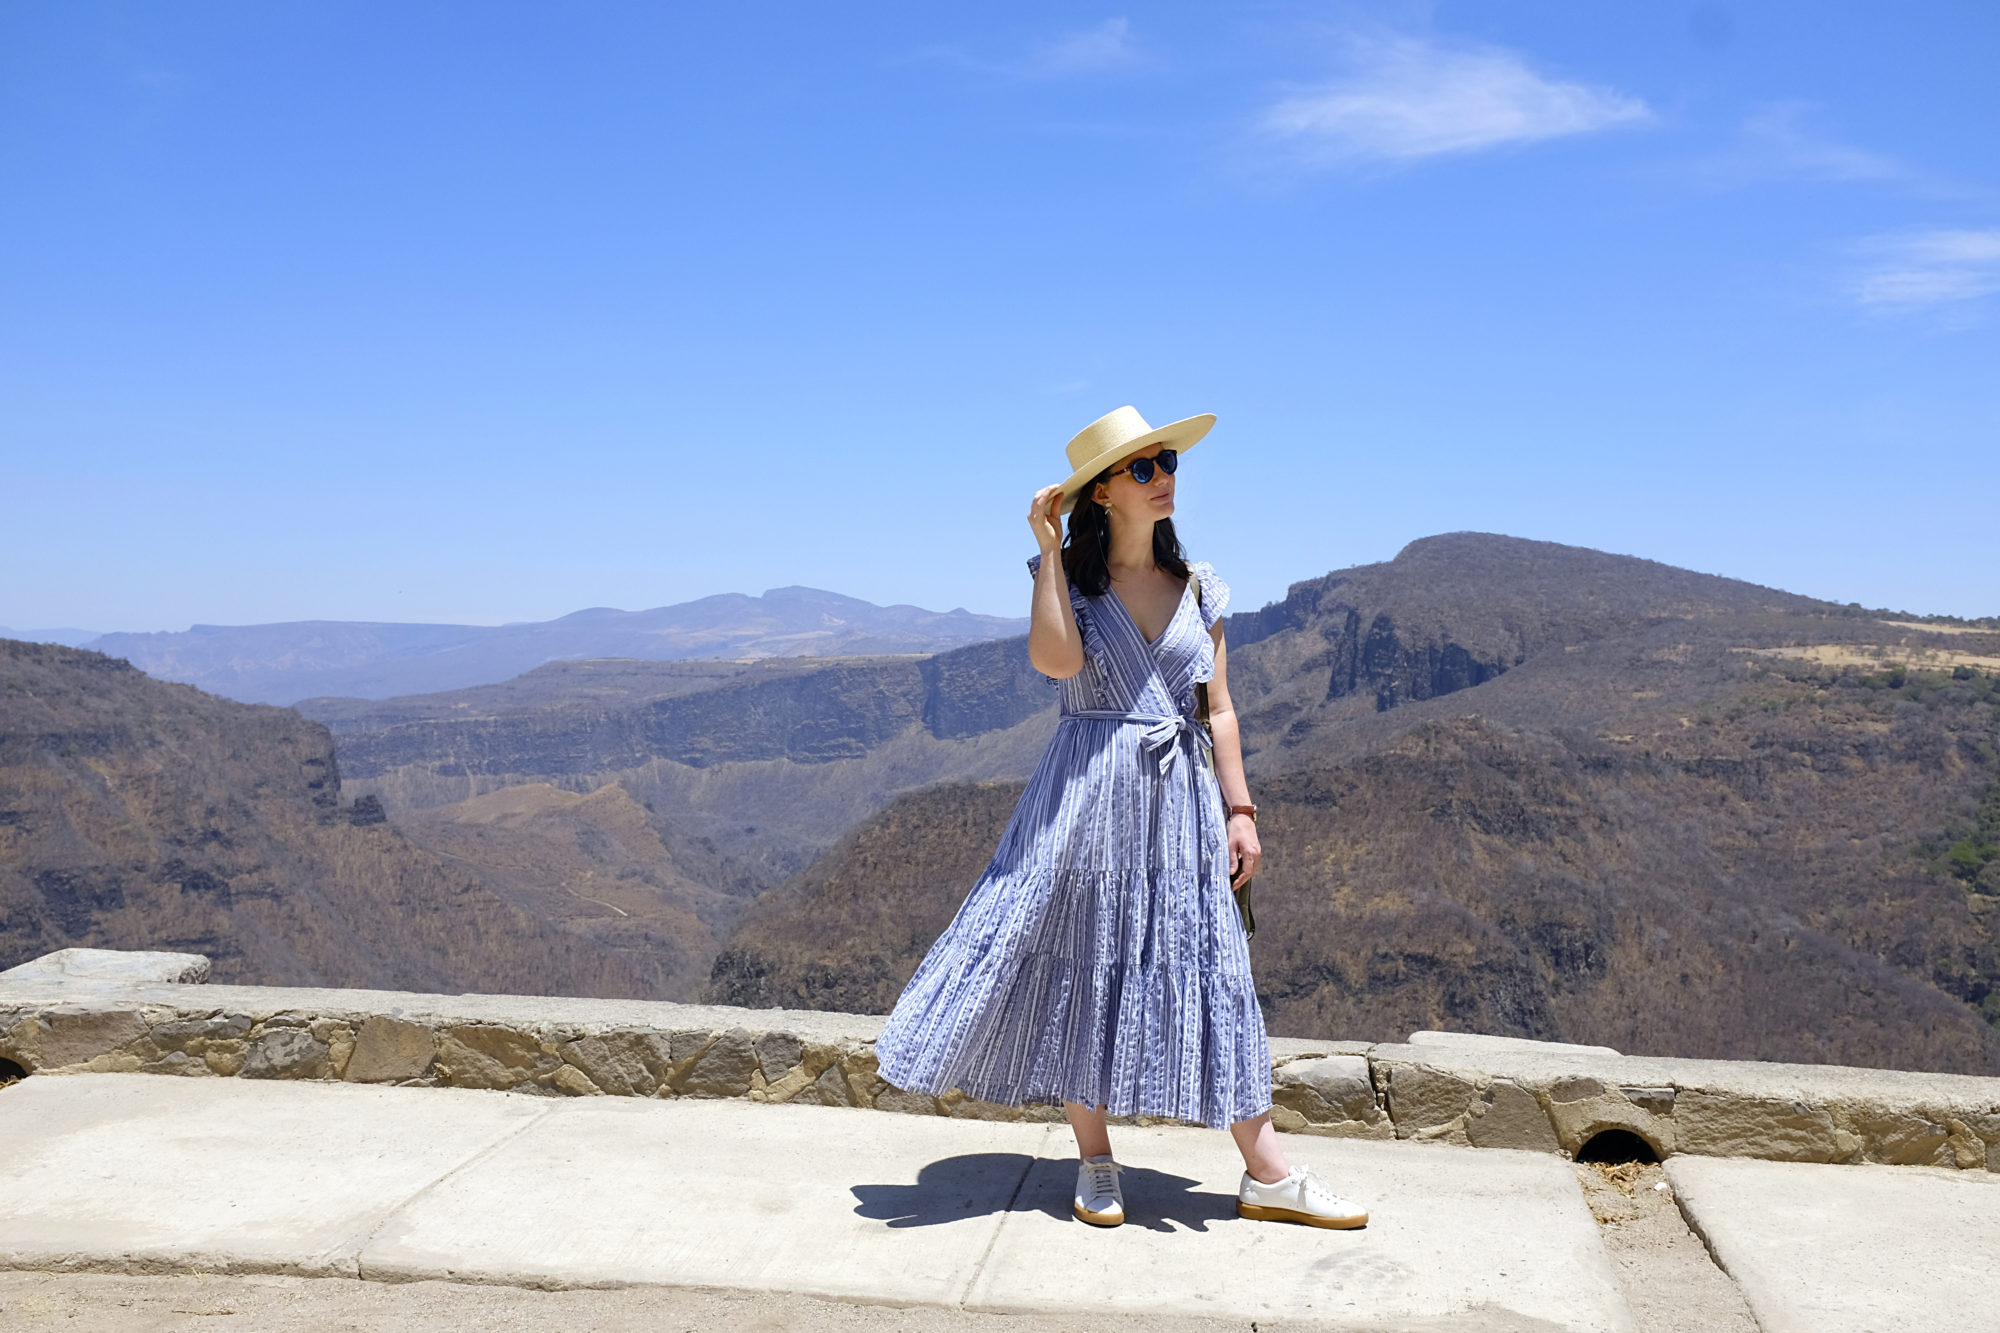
x,y
1161,731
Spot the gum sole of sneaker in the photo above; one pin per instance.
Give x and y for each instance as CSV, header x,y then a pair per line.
x,y
1257,1212
1084,1214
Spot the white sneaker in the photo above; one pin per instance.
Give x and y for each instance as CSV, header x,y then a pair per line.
x,y
1098,1198
1299,1197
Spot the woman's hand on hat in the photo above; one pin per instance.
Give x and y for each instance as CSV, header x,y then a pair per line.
x,y
1045,517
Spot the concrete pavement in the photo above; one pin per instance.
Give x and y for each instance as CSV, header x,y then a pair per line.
x,y
152,1175
113,1173
1834,1249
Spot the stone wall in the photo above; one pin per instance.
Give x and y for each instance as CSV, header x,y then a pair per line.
x,y
84,1010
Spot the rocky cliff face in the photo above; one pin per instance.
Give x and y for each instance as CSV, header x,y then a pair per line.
x,y
1455,611
567,718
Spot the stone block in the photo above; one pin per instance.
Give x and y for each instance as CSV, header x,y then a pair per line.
x,y
1968,1151
791,1085
178,1062
623,1064
1575,1088
1983,1126
285,1053
961,1107
1328,1090
829,1089
60,1039
570,1079
685,1045
486,1055
1421,1098
194,1034
339,1051
1895,1137
1653,1101
777,1053
1508,1116
893,1098
224,1057
857,1064
723,1069
1725,1124
389,1050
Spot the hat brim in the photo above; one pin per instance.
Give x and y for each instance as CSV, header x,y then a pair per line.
x,y
1180,436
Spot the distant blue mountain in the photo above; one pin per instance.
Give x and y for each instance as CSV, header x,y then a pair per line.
x,y
70,638
284,663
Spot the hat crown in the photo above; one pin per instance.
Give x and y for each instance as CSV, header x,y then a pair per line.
x,y
1105,434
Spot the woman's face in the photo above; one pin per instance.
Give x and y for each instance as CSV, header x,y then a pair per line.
x,y
1131,502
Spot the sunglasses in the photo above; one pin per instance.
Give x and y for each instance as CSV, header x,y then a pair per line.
x,y
1142,468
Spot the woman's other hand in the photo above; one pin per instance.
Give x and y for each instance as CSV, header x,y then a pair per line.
x,y
1045,518
1244,850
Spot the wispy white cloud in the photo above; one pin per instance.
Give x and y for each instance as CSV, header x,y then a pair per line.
x,y
1104,48
1928,270
1094,50
1403,99
1778,143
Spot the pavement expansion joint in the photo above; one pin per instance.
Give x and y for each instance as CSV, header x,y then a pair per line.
x,y
390,1211
1013,1199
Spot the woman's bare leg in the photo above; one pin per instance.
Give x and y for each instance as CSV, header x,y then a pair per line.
x,y
1093,1138
1257,1139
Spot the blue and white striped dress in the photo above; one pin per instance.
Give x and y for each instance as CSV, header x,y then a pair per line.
x,y
1099,958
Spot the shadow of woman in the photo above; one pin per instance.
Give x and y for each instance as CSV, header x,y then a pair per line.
x,y
953,1189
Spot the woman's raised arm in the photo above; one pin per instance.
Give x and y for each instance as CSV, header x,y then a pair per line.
x,y
1055,644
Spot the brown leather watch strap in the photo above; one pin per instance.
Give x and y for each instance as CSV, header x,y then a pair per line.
x,y
1249,810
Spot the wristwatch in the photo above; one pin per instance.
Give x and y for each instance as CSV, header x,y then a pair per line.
x,y
1250,810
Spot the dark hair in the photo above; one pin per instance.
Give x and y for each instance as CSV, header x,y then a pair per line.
x,y
1090,537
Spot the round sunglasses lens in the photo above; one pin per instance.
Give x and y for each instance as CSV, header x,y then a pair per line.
x,y
1142,470
1168,461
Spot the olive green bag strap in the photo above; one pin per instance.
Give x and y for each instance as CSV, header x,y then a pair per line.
x,y
1242,891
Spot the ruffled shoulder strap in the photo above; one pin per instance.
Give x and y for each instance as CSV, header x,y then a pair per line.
x,y
1086,615
1214,593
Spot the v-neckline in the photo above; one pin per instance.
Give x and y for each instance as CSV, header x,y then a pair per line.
x,y
1153,642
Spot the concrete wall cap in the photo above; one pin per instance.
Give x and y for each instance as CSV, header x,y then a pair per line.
x,y
1476,1041
109,966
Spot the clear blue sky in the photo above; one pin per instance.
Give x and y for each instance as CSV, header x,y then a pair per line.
x,y
490,311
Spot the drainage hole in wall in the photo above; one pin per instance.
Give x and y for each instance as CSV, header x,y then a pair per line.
x,y
11,1073
1612,1146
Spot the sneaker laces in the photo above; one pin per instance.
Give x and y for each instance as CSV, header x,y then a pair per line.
x,y
1103,1177
1314,1188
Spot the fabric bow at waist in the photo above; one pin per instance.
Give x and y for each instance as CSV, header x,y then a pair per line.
x,y
1160,732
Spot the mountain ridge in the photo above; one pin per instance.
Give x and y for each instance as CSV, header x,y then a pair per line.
x,y
285,662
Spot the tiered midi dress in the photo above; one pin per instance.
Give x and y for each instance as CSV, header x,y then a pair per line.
x,y
1099,958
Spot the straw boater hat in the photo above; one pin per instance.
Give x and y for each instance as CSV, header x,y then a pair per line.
x,y
1116,434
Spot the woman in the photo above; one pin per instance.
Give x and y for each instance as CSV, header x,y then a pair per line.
x,y
1100,961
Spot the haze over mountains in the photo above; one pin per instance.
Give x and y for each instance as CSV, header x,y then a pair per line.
x,y
284,663
66,635
1507,786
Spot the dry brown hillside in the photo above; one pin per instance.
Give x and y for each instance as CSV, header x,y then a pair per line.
x,y
593,864
137,814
